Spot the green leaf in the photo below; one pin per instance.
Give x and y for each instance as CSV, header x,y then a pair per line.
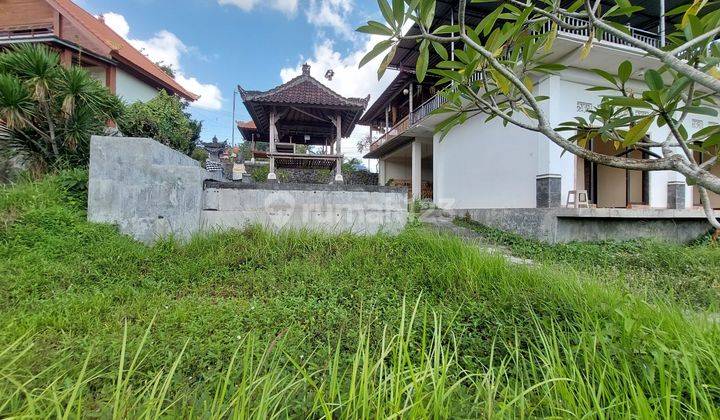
x,y
386,62
427,12
654,80
440,50
399,12
375,28
551,37
450,74
422,62
625,71
711,141
575,6
387,12
549,68
638,131
678,86
702,110
627,102
707,131
377,49
605,75
488,23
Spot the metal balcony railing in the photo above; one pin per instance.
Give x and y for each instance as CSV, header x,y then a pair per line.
x,y
427,107
393,132
639,34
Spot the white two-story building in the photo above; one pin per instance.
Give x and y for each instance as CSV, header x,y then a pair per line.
x,y
484,165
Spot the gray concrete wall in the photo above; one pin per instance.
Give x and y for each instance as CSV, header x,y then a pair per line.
x,y
330,208
567,225
146,188
151,191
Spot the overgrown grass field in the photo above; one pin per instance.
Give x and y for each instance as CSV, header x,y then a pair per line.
x,y
655,270
258,325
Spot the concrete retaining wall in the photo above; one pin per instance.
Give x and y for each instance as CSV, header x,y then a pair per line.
x,y
566,225
148,189
151,191
331,208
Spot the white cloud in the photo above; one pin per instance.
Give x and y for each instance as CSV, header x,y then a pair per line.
x,y
332,14
289,7
164,47
117,23
210,95
348,79
167,48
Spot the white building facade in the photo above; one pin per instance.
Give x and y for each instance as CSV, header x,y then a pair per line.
x,y
485,164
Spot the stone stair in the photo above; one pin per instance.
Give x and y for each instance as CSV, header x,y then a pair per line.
x,y
442,222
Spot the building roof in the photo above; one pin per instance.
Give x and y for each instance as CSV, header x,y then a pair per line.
x,y
376,112
303,90
308,108
120,49
248,130
408,49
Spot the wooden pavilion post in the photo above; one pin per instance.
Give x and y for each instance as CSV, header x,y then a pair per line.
x,y
338,150
273,137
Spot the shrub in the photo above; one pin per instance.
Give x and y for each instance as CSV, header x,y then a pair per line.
x,y
164,119
48,112
200,155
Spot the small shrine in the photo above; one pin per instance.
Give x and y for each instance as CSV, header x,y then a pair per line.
x,y
213,163
301,112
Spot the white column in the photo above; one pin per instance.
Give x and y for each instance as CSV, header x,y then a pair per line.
x,y
555,169
273,137
338,149
416,170
662,23
381,172
252,148
410,97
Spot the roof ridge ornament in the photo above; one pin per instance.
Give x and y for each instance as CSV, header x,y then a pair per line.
x,y
306,69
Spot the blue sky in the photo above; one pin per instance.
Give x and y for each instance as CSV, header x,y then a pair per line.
x,y
216,44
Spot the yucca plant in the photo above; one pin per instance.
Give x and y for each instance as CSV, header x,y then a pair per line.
x,y
48,112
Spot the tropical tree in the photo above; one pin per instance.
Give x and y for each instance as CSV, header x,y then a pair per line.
x,y
48,112
163,118
494,67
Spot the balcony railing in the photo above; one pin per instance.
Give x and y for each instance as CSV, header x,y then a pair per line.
x,y
25,32
639,34
422,111
393,132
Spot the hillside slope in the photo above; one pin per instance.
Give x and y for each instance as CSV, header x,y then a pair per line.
x,y
255,324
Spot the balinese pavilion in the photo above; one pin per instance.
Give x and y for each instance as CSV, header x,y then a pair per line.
x,y
301,112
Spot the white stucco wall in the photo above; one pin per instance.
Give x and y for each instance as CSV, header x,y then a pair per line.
x,y
485,165
401,170
573,89
130,89
488,165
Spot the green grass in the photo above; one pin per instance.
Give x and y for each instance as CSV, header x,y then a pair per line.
x,y
254,324
689,274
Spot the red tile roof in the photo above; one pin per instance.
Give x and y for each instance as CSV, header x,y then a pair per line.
x,y
250,125
120,49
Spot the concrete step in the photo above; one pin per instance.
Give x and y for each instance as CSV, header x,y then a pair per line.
x,y
443,223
